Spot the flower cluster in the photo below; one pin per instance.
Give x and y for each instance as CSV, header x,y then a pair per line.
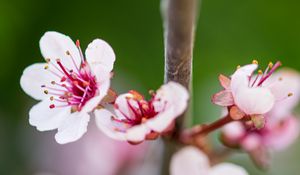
x,y
72,86
262,106
135,119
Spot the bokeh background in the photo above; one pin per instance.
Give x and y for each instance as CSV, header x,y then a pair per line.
x,y
229,33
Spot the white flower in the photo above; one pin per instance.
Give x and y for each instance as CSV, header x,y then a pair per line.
x,y
192,161
136,119
247,90
282,127
68,85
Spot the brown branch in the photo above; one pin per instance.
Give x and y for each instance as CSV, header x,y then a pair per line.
x,y
214,126
200,132
179,22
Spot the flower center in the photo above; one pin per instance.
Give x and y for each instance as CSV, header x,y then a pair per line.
x,y
261,76
75,87
140,109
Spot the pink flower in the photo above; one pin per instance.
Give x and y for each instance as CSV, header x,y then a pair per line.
x,y
281,128
68,85
248,91
136,119
94,154
192,161
274,136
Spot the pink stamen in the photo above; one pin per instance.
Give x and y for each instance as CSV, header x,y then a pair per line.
x,y
256,78
277,64
64,70
83,97
73,60
80,51
132,109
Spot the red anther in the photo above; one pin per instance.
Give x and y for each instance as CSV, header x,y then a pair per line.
x,y
77,43
63,79
52,106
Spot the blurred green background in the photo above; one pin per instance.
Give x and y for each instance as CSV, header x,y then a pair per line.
x,y
229,33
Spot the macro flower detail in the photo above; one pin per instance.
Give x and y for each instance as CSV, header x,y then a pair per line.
x,y
191,161
252,94
281,128
136,119
247,90
69,85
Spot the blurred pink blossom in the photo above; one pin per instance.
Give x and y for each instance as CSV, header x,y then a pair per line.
x,y
94,154
191,161
282,127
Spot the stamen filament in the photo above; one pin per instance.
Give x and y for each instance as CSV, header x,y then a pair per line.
x,y
277,64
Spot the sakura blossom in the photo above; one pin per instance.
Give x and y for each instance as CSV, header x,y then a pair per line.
x,y
135,119
69,85
282,126
192,161
252,94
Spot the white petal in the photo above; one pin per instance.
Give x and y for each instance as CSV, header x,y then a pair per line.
x,y
161,121
123,110
189,161
103,86
54,45
173,101
99,53
34,76
73,127
254,100
228,169
175,94
91,104
281,84
137,133
240,78
107,126
44,118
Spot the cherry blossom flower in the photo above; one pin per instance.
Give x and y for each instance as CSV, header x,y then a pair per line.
x,y
252,96
247,90
68,84
282,127
192,161
136,119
